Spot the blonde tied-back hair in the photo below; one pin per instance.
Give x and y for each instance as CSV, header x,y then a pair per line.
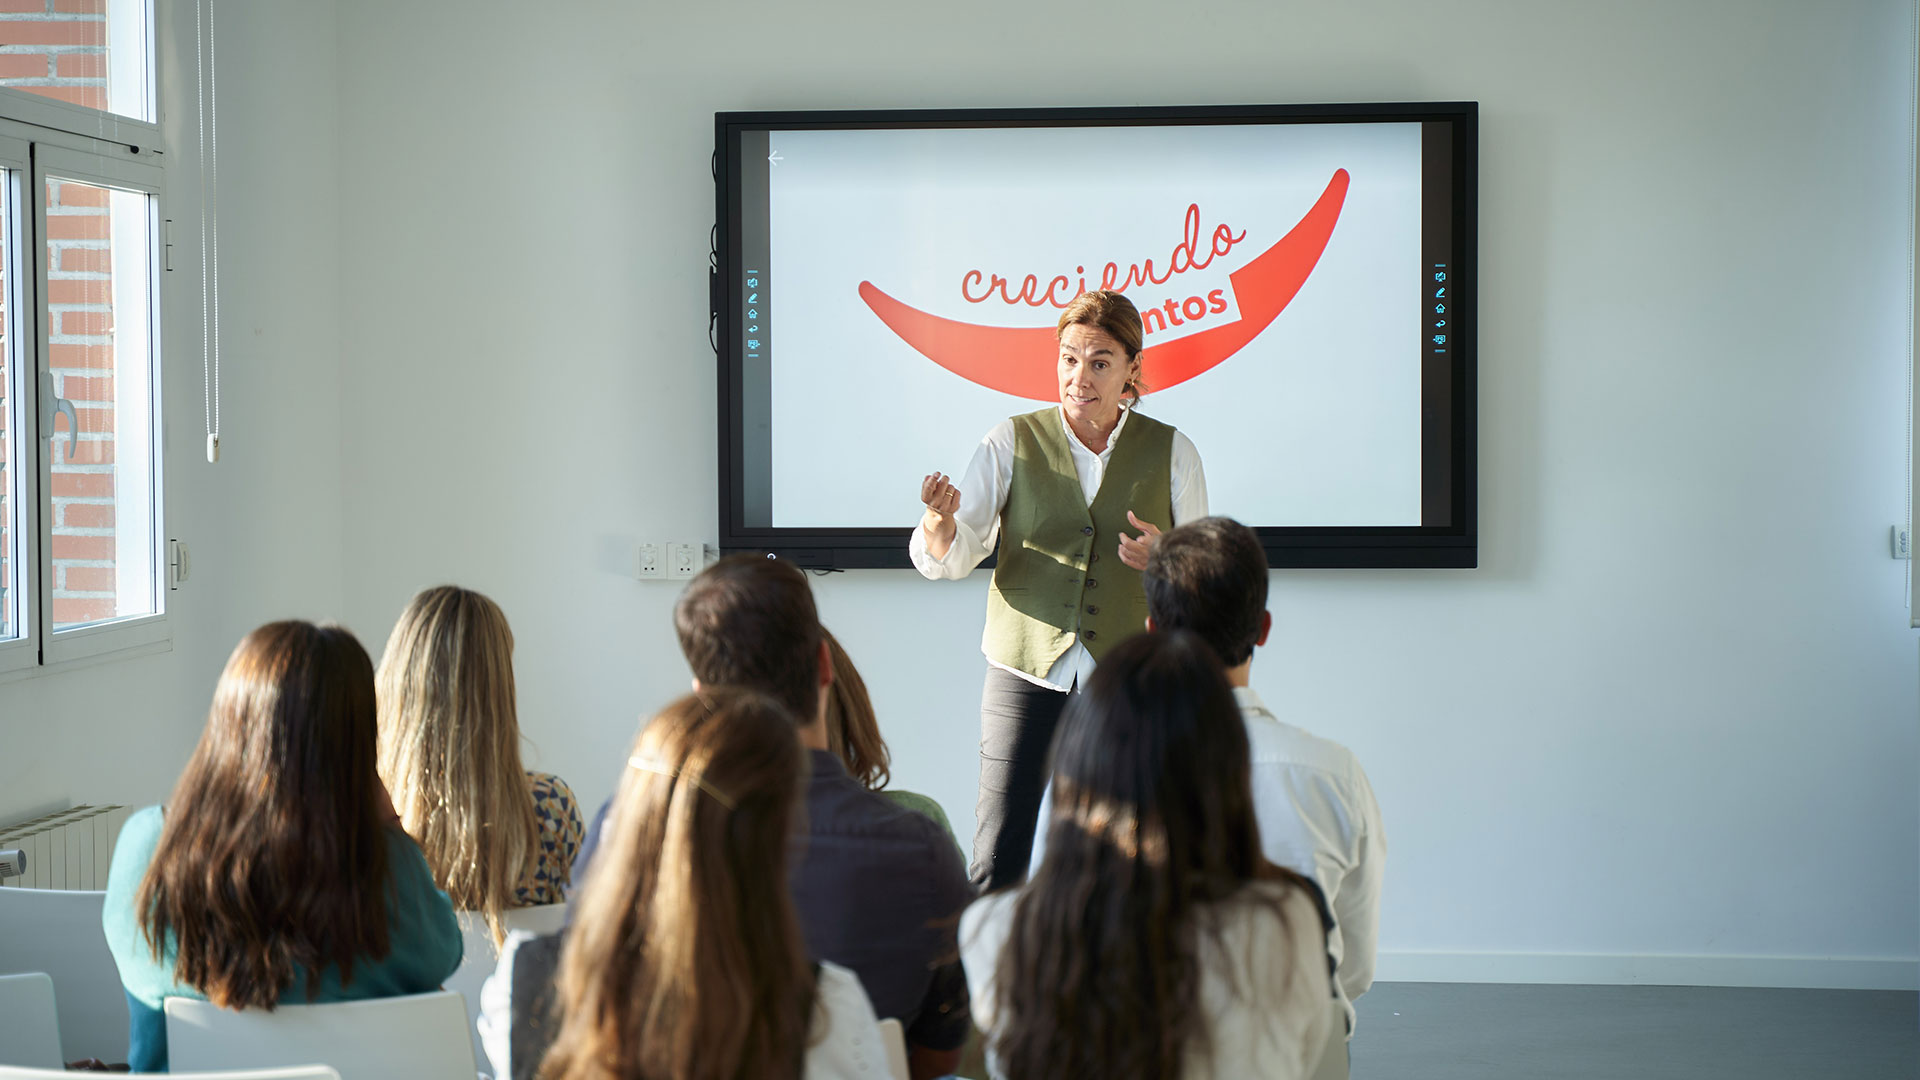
x,y
686,958
1112,312
450,748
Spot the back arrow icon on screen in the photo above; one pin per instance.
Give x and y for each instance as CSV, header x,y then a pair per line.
x,y
1020,361
775,158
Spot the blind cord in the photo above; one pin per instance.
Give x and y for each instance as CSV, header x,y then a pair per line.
x,y
209,144
1913,273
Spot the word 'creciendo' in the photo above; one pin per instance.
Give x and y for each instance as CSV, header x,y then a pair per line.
x,y
1186,255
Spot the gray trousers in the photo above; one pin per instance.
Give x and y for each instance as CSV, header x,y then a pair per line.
x,y
1017,722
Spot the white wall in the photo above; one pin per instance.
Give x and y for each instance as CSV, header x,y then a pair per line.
x,y
1666,732
1669,725
263,524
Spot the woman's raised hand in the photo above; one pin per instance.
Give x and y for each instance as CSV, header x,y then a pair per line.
x,y
1134,550
942,500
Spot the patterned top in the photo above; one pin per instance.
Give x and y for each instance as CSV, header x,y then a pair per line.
x,y
545,880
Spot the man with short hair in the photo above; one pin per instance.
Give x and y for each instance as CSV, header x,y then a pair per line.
x,y
1316,809
879,888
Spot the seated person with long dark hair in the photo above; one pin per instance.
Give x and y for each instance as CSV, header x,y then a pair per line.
x,y
1153,939
878,888
685,959
1317,812
277,872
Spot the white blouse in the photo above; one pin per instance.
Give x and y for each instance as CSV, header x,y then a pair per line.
x,y
1264,990
983,496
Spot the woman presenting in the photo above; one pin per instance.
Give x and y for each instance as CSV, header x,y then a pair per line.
x,y
1074,495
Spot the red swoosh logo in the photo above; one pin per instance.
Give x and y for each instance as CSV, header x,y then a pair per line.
x,y
1019,360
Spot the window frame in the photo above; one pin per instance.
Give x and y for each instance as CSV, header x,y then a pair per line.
x,y
138,631
43,135
38,135
23,396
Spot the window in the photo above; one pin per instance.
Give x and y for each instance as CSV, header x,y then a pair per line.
x,y
82,568
98,266
93,54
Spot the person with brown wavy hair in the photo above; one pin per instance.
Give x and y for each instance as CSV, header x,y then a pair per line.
x,y
685,959
1154,939
1072,497
497,835
277,871
853,734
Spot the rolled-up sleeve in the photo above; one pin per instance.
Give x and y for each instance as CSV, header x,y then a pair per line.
x,y
983,494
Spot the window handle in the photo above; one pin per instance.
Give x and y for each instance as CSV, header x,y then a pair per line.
x,y
62,405
57,405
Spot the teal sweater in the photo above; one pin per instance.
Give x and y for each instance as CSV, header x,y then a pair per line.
x,y
423,937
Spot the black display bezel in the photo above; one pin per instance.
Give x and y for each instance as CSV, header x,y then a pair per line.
x,y
1454,545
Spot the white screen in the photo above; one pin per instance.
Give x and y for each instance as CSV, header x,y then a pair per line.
x,y
1314,422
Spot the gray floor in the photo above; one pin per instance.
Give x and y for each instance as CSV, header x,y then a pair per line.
x,y
1463,1031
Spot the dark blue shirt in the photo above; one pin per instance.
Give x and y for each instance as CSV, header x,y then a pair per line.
x,y
879,889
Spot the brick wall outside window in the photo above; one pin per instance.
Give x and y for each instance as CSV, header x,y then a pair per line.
x,y
79,302
58,49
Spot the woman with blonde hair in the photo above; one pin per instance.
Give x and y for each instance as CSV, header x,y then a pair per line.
x,y
685,960
496,835
853,734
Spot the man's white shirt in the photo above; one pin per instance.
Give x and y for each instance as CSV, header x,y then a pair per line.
x,y
1318,817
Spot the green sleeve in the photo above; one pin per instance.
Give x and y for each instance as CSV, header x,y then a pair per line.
x,y
915,801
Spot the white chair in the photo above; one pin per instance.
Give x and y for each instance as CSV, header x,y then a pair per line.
x,y
1333,1056
29,1028
417,1037
482,956
296,1073
893,1038
57,931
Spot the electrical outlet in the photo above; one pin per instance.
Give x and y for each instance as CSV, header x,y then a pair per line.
x,y
685,558
650,561
1902,542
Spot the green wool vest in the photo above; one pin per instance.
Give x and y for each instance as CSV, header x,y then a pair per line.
x,y
1060,577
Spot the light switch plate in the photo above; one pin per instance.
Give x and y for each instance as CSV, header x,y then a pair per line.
x,y
685,558
650,561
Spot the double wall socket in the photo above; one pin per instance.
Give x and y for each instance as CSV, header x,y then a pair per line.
x,y
676,559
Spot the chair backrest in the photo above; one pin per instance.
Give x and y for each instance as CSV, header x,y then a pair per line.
x,y
893,1039
482,955
29,1029
57,931
296,1073
1333,1056
417,1037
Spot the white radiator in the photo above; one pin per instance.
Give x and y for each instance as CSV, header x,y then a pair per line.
x,y
69,849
